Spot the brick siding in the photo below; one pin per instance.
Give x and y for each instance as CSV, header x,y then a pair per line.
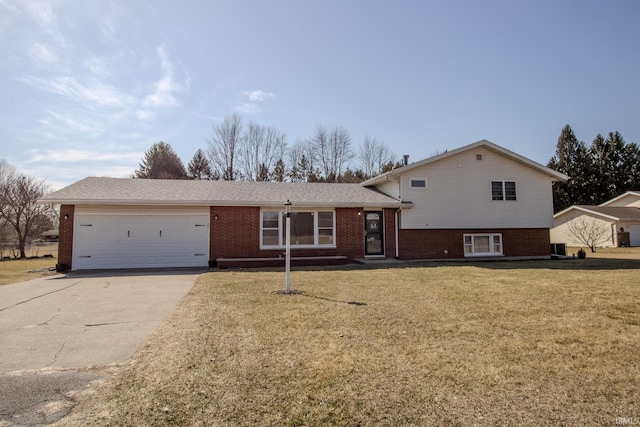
x,y
235,233
431,244
65,236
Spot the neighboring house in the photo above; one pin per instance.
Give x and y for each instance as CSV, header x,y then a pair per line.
x,y
618,218
50,235
479,200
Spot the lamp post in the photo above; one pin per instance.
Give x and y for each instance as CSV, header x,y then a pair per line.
x,y
287,209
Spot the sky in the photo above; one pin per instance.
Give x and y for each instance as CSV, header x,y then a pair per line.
x,y
88,86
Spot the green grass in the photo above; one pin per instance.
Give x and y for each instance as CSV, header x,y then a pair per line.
x,y
518,343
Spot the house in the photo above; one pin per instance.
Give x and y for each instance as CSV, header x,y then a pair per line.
x,y
50,235
617,221
479,200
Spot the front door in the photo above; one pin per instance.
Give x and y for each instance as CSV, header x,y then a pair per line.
x,y
373,232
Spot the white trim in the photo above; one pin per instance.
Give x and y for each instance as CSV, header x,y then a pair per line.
x,y
628,193
555,175
316,228
491,252
587,210
141,210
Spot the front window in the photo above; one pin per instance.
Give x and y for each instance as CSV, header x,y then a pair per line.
x,y
308,229
482,244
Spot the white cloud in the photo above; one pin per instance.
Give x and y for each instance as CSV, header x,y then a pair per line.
x,y
165,89
93,95
74,155
98,66
257,95
42,53
43,15
62,166
254,99
68,123
247,108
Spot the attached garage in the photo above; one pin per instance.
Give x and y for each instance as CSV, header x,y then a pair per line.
x,y
140,238
634,234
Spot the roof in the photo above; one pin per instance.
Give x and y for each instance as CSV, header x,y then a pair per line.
x,y
613,213
129,191
628,193
555,175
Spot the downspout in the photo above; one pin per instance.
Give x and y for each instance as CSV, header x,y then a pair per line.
x,y
397,234
613,234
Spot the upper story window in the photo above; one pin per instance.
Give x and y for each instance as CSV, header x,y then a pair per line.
x,y
503,190
418,183
308,229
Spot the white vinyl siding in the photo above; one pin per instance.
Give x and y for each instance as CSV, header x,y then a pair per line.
x,y
390,188
631,200
309,229
458,194
560,233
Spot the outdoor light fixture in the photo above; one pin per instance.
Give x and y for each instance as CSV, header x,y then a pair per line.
x,y
215,216
66,217
287,210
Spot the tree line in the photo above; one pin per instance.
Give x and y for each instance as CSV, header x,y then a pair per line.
x,y
22,219
597,172
238,150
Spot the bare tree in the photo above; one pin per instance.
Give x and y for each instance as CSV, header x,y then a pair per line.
x,y
225,145
8,174
588,231
261,148
332,150
374,155
301,161
19,208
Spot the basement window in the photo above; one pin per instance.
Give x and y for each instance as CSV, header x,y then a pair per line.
x,y
482,245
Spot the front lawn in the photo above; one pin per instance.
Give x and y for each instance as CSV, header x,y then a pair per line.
x,y
517,343
19,270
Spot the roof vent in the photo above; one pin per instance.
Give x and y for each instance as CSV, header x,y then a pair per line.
x,y
406,159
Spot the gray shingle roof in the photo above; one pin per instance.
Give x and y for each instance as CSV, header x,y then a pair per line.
x,y
621,213
123,191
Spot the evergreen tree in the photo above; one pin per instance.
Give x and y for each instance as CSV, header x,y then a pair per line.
x,y
161,162
263,173
199,167
607,180
607,168
572,159
630,169
279,171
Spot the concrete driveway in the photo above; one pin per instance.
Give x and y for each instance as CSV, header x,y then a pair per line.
x,y
66,324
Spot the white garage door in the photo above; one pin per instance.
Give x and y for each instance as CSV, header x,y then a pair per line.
x,y
634,235
140,241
